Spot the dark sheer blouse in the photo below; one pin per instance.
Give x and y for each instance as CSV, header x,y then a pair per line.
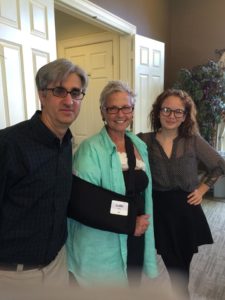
x,y
181,170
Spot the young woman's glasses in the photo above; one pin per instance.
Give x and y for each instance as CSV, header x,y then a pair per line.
x,y
178,113
61,92
116,109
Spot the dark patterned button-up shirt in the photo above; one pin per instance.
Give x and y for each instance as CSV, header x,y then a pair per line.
x,y
35,185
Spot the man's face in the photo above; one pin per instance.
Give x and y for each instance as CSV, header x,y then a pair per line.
x,y
58,113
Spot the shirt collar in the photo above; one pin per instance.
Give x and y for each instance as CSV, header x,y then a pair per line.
x,y
43,133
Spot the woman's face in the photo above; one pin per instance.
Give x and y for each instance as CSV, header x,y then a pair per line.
x,y
118,112
172,113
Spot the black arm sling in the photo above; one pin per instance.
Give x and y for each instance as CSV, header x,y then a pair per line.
x,y
90,204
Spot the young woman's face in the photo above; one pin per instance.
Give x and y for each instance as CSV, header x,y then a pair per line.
x,y
172,113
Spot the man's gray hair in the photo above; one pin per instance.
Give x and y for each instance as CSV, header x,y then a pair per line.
x,y
57,71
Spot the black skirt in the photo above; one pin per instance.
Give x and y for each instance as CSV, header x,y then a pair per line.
x,y
179,226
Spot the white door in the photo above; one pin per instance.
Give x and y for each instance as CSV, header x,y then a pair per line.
x,y
96,59
27,41
148,78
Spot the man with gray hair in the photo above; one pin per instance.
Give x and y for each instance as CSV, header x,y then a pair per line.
x,y
36,178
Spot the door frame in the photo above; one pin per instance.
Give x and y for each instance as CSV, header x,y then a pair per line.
x,y
94,14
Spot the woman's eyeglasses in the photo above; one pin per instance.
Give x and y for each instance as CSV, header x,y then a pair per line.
x,y
178,113
61,92
116,109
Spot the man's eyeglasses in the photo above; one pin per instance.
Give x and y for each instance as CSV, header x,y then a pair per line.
x,y
61,92
178,113
116,109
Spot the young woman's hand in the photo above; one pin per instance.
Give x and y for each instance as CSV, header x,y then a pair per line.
x,y
195,198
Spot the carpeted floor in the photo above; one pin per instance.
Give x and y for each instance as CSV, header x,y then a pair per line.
x,y
207,280
208,266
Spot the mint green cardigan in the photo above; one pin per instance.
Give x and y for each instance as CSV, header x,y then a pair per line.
x,y
97,256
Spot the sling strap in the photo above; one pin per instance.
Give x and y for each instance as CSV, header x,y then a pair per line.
x,y
131,160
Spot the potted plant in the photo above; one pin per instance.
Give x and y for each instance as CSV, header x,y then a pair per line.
x,y
206,85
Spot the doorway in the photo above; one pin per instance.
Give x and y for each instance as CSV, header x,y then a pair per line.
x,y
131,58
96,50
135,59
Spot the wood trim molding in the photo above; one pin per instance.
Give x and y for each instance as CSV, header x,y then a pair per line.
x,y
94,14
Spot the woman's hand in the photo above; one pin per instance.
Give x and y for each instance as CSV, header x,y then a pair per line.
x,y
142,223
195,198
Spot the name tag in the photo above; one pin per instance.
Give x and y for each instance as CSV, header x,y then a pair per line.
x,y
119,208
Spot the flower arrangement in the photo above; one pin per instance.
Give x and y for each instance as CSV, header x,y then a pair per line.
x,y
206,85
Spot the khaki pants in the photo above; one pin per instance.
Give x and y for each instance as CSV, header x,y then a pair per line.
x,y
54,274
